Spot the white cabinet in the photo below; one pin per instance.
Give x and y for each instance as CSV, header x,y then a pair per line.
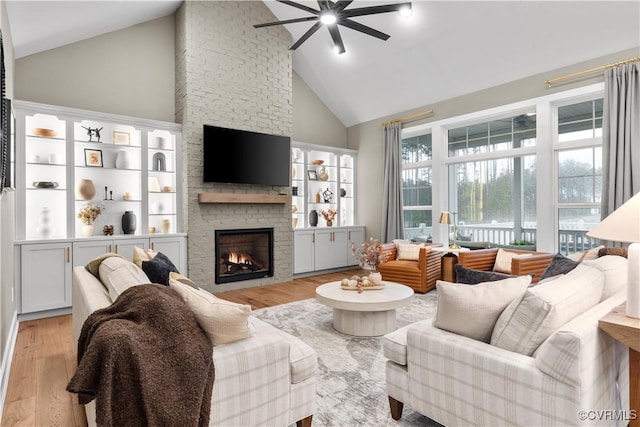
x,y
86,250
322,178
45,273
324,248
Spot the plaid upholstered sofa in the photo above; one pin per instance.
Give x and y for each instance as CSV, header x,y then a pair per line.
x,y
266,379
457,380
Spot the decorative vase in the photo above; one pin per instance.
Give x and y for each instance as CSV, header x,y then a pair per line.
x,y
45,228
313,218
157,207
128,222
160,142
159,162
87,230
318,197
166,226
294,222
329,223
343,192
323,175
123,160
85,189
375,277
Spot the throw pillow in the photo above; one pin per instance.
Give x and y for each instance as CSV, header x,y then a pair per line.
x,y
472,311
613,251
585,255
140,254
118,274
615,269
409,251
532,318
223,321
182,279
158,268
560,264
471,277
94,265
502,263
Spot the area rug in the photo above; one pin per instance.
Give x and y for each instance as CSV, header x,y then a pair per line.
x,y
351,387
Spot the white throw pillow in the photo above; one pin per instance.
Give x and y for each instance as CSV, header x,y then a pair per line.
x,y
223,321
503,260
615,269
532,318
585,255
118,274
140,254
409,251
472,310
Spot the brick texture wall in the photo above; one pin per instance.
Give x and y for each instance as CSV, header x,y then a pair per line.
x,y
231,75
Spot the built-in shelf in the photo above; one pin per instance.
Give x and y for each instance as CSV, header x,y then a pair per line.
x,y
242,198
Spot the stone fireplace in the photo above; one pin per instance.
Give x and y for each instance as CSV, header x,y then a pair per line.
x,y
243,254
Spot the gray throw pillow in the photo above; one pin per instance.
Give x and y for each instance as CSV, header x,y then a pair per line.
x,y
473,277
560,264
159,268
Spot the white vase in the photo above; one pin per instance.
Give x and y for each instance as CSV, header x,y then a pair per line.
x,y
166,226
123,160
87,230
45,230
375,277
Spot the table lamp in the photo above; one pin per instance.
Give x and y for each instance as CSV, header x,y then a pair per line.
x,y
446,218
623,225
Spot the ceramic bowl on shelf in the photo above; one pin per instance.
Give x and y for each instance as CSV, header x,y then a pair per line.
x,y
167,189
45,184
47,133
317,162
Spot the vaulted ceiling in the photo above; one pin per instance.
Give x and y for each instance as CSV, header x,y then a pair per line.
x,y
445,49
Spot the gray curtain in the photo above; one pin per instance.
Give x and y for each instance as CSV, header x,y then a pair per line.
x,y
620,136
392,218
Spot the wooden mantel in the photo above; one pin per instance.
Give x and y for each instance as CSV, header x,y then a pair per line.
x,y
242,198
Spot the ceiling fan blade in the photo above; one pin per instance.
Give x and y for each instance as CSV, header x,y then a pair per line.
x,y
337,39
288,21
363,29
342,4
300,6
324,5
372,10
306,35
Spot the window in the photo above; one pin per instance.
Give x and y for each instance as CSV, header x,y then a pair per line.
x,y
492,190
579,171
416,186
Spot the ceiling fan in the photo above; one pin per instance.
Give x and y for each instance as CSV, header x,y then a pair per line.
x,y
332,14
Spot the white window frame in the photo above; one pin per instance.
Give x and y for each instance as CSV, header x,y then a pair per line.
x,y
418,165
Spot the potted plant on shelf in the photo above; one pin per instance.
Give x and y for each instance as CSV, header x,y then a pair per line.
x,y
88,215
368,254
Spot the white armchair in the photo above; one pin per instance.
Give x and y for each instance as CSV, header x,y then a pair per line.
x,y
456,380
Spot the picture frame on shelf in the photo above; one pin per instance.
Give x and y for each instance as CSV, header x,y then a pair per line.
x,y
121,138
93,158
313,175
154,184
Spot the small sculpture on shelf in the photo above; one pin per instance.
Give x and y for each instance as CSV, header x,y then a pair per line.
x,y
91,132
329,215
327,195
107,230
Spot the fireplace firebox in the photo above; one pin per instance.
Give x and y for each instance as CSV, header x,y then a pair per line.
x,y
243,254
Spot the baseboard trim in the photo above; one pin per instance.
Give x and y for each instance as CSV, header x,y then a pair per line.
x,y
7,358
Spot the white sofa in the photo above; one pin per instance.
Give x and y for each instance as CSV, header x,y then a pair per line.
x,y
456,380
268,379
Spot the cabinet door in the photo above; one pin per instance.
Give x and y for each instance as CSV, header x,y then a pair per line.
x,y
303,251
85,251
331,248
46,276
125,247
356,236
175,248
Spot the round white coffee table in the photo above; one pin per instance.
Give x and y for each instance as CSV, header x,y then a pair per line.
x,y
365,314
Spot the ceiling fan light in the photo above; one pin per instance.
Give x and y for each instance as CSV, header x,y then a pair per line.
x,y
328,18
406,11
337,50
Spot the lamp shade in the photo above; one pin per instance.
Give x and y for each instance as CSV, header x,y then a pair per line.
x,y
623,225
445,217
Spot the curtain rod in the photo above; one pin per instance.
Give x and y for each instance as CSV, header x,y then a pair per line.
x,y
409,118
591,71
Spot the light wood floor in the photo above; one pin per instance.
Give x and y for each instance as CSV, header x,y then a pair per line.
x,y
44,359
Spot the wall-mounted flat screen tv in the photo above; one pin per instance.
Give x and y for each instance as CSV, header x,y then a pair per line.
x,y
242,157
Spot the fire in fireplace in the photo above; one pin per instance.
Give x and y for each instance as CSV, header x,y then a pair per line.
x,y
243,254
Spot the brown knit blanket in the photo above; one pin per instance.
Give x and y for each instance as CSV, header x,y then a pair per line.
x,y
146,361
